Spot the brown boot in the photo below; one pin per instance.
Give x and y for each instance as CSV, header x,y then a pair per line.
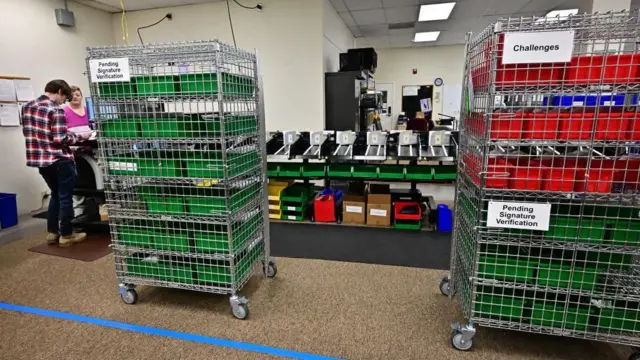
x,y
52,239
66,241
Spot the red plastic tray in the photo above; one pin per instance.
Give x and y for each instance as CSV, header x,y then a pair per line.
x,y
595,180
498,171
506,126
558,175
634,128
612,68
526,175
540,126
613,126
575,126
399,205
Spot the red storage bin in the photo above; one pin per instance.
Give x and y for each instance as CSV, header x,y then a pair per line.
x,y
597,179
506,126
526,175
612,68
558,175
628,173
399,205
498,174
634,127
575,126
540,126
326,205
613,126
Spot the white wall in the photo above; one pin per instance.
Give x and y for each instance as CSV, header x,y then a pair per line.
x,y
337,38
396,65
33,45
287,34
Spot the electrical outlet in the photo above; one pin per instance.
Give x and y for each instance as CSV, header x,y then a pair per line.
x,y
259,7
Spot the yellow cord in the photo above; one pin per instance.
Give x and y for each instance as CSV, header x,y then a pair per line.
x,y
124,24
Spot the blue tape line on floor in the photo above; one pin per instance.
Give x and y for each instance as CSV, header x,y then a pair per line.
x,y
166,333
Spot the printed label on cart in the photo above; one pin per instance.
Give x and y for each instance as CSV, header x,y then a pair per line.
x,y
354,209
122,166
378,212
109,70
538,47
516,215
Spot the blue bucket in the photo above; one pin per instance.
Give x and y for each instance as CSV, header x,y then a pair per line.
x,y
8,210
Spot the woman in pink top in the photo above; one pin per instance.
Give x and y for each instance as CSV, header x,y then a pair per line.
x,y
76,111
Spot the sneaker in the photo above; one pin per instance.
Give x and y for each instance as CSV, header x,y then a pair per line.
x,y
66,241
52,238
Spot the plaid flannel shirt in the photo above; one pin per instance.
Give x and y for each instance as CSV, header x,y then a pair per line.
x,y
44,126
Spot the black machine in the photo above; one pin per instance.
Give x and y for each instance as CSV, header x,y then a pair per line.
x,y
343,91
363,59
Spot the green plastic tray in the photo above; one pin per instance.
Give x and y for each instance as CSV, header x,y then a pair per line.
x,y
160,270
560,276
121,128
215,239
165,204
172,240
408,225
293,216
499,306
211,125
624,232
619,319
444,172
297,193
160,164
391,172
419,172
212,201
117,90
339,170
136,235
209,165
177,127
314,170
207,84
214,273
506,269
156,85
552,315
566,229
123,165
272,169
365,171
290,170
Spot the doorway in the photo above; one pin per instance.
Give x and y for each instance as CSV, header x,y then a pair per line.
x,y
417,98
387,111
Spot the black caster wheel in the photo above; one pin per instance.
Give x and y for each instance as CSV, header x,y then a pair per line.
x,y
271,270
129,296
313,218
459,343
241,311
444,287
339,220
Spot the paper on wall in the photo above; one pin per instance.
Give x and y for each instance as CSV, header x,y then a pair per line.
x,y
24,90
7,90
9,115
410,90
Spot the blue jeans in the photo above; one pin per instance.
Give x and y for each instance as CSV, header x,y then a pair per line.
x,y
61,179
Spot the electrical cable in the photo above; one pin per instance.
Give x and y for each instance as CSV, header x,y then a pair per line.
x,y
124,24
258,6
167,16
233,34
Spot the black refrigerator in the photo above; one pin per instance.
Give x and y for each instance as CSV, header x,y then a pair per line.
x,y
342,92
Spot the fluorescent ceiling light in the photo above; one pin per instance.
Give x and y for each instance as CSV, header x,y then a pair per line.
x,y
435,11
426,36
555,14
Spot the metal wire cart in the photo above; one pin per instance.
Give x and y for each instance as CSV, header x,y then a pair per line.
x,y
182,145
547,224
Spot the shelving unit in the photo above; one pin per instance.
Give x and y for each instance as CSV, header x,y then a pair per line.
x,y
538,160
182,154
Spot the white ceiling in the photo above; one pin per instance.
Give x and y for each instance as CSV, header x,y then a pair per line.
x,y
132,5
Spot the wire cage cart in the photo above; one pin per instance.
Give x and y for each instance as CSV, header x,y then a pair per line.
x,y
547,224
182,146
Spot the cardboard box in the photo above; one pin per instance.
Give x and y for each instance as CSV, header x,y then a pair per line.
x,y
354,209
378,205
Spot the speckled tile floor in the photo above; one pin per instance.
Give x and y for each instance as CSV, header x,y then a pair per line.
x,y
344,310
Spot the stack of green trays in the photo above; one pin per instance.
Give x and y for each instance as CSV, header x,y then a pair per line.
x,y
498,306
210,272
207,84
209,201
163,201
508,268
211,125
156,85
171,269
623,316
211,239
552,314
121,128
574,228
170,126
209,165
160,163
295,200
562,275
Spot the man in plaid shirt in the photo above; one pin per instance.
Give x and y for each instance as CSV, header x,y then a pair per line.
x,y
47,143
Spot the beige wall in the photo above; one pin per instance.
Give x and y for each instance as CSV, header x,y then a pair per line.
x,y
288,35
337,38
33,45
396,65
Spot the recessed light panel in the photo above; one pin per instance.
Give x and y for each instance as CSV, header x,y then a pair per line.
x,y
435,11
426,36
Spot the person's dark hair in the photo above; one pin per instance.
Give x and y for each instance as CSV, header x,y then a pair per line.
x,y
54,86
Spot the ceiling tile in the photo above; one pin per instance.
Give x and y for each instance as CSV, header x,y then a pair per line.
x,y
397,3
355,31
401,14
369,17
347,18
374,30
363,4
402,31
501,7
376,41
339,5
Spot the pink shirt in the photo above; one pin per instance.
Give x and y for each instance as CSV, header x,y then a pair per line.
x,y
74,119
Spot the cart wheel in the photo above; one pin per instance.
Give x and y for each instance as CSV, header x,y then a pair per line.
x,y
635,356
271,270
129,296
339,220
459,343
241,311
444,286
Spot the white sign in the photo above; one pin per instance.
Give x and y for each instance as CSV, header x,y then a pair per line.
x,y
24,90
7,90
377,212
354,209
538,47
109,70
9,115
517,215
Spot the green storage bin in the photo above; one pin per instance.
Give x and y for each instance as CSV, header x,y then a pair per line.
x,y
293,215
207,84
123,165
563,276
156,85
391,172
493,306
552,314
148,267
407,225
117,90
162,201
160,164
314,170
623,232
444,172
215,239
419,172
339,170
121,128
176,127
619,319
205,201
272,169
365,171
293,207
135,234
290,170
218,273
172,240
506,269
566,229
297,193
211,125
209,165
604,260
